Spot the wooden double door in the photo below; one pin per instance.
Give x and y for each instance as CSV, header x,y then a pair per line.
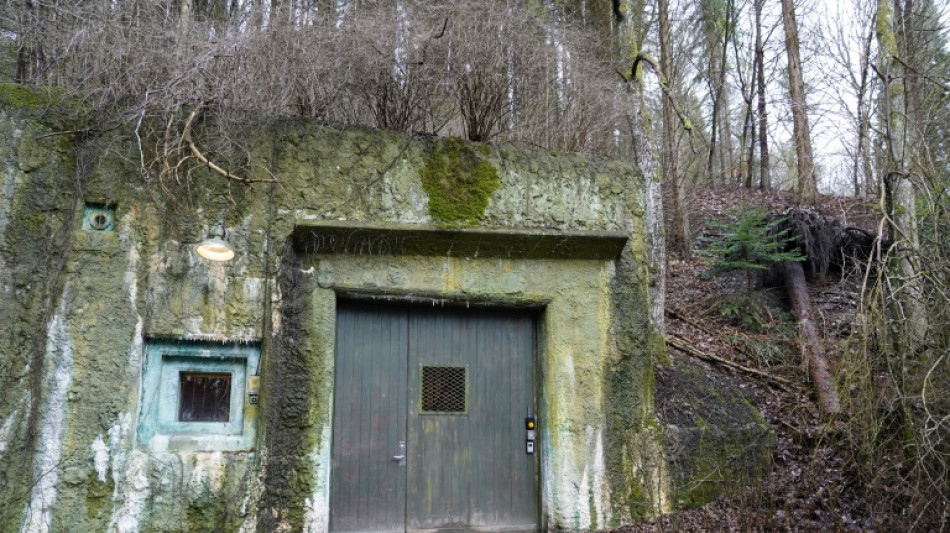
x,y
429,419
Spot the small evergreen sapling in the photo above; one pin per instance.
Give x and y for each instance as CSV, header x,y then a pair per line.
x,y
750,242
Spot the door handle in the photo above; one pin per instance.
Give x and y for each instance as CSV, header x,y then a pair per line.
x,y
401,458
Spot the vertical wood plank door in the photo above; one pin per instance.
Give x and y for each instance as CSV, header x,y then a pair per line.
x,y
368,486
467,379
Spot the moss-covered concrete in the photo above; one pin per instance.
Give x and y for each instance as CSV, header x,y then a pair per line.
x,y
458,180
714,440
39,184
563,232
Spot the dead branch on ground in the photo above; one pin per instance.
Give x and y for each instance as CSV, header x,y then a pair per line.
x,y
683,345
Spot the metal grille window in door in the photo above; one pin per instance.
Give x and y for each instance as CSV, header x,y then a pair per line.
x,y
444,390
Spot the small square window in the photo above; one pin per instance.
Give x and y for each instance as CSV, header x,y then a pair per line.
x,y
196,396
204,397
444,390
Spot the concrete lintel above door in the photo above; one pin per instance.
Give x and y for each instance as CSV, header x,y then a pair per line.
x,y
366,238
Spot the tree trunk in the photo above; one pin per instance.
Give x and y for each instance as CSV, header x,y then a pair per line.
x,y
725,129
750,171
679,236
715,23
900,138
807,182
861,157
644,154
184,26
810,341
765,178
630,36
724,120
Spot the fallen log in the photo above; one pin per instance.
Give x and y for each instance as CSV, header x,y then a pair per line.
x,y
815,361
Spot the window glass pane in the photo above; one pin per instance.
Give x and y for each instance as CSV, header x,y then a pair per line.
x,y
204,397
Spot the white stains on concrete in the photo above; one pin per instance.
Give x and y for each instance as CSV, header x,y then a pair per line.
x,y
52,423
193,326
136,350
276,300
131,282
217,301
128,476
100,458
5,430
404,197
301,214
117,433
570,378
252,289
574,490
317,518
134,493
253,495
565,491
598,473
130,278
582,502
208,472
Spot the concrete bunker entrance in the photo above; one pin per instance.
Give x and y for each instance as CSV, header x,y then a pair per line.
x,y
429,424
382,293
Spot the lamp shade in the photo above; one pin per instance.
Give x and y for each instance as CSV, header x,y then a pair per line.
x,y
215,248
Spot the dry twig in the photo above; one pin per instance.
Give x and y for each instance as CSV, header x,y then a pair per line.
x,y
682,345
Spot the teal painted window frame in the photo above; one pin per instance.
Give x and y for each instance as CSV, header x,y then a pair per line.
x,y
93,210
159,428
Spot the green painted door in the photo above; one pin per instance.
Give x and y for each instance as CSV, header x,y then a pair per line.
x,y
448,389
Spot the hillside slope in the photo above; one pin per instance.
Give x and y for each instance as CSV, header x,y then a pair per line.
x,y
747,323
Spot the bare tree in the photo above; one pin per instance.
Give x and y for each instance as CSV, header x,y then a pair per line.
x,y
718,23
679,235
807,181
765,179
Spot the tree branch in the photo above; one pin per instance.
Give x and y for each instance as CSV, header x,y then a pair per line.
x,y
186,136
667,92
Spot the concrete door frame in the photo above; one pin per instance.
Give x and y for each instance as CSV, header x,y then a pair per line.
x,y
574,341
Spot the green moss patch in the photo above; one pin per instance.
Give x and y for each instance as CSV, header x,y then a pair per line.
x,y
98,495
458,181
51,106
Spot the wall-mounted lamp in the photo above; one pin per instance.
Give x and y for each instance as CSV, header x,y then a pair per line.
x,y
215,248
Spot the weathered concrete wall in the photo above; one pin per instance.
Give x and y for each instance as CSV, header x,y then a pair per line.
x,y
79,308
